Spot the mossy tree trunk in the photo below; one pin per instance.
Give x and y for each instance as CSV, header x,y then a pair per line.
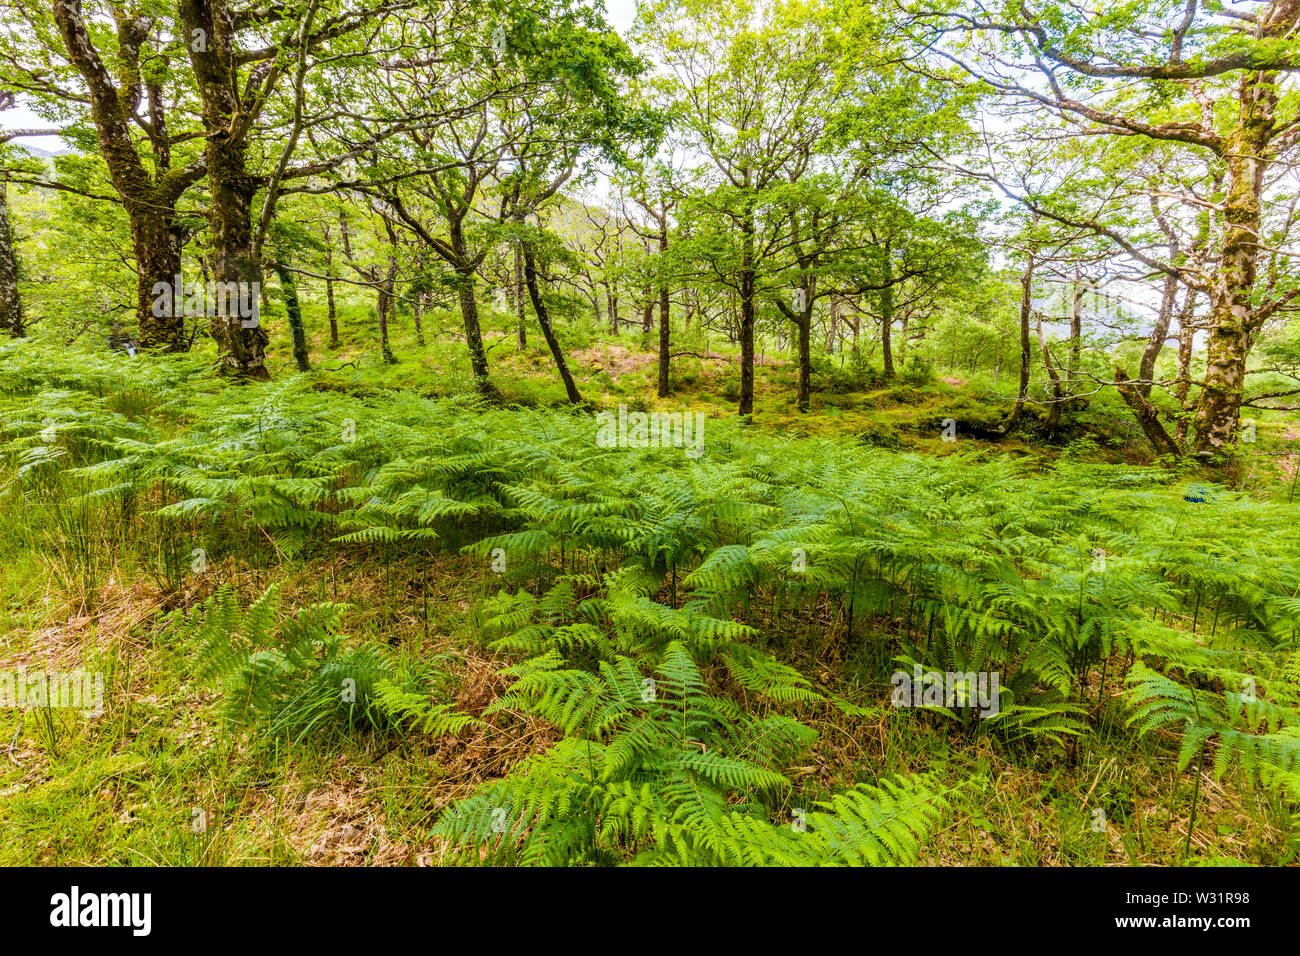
x,y
1234,319
241,340
887,311
289,289
148,199
329,290
748,284
11,305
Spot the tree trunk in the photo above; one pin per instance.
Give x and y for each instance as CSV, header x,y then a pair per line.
x,y
1146,415
665,326
1058,392
241,340
289,289
519,299
1233,321
747,283
1186,341
804,395
158,267
1026,349
1159,333
1137,394
1076,327
802,320
1219,408
544,323
329,290
11,306
384,306
417,313
665,331
473,332
887,315
392,301
149,201
647,311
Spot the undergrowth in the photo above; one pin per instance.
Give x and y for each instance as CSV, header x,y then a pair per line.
x,y
688,630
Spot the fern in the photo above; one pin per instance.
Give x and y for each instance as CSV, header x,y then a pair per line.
x,y
291,676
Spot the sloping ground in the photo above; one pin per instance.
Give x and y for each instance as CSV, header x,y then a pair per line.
x,y
570,653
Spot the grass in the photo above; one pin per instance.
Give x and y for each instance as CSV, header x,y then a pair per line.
x,y
156,780
129,788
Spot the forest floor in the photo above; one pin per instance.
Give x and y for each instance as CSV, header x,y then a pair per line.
x,y
156,780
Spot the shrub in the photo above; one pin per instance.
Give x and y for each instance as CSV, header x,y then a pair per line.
x,y
916,371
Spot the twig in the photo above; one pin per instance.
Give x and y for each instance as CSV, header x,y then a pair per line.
x,y
13,744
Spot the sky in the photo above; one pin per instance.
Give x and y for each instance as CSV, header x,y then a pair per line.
x,y
619,13
20,117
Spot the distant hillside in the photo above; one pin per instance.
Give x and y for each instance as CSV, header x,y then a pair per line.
x,y
45,153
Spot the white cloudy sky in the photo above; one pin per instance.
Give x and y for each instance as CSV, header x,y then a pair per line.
x,y
620,13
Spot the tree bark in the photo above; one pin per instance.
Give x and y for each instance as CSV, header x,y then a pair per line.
x,y
1146,415
473,331
802,320
1159,333
804,395
647,311
289,289
887,315
1026,349
519,299
11,305
665,332
329,289
1186,341
1233,320
1058,391
241,340
665,326
148,200
747,285
385,308
1076,327
392,302
544,323
611,302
